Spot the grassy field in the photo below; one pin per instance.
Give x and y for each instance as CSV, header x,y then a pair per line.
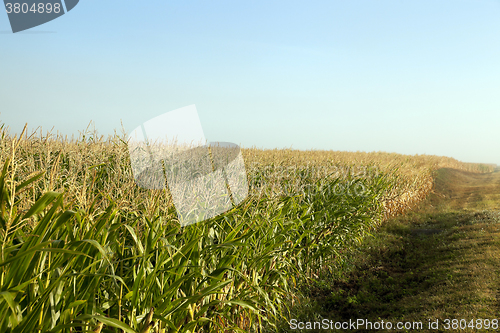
x,y
85,249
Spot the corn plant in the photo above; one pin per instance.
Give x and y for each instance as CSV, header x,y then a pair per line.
x,y
85,250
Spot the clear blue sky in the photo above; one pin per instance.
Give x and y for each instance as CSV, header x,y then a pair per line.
x,y
413,77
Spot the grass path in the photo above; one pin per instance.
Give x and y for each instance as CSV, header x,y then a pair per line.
x,y
440,261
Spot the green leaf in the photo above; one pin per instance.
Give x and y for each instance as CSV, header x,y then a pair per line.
x,y
109,322
29,181
41,204
9,298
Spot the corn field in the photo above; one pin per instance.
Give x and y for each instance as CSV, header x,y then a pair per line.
x,y
84,249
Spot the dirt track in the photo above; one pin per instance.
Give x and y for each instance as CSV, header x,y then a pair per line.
x,y
465,190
